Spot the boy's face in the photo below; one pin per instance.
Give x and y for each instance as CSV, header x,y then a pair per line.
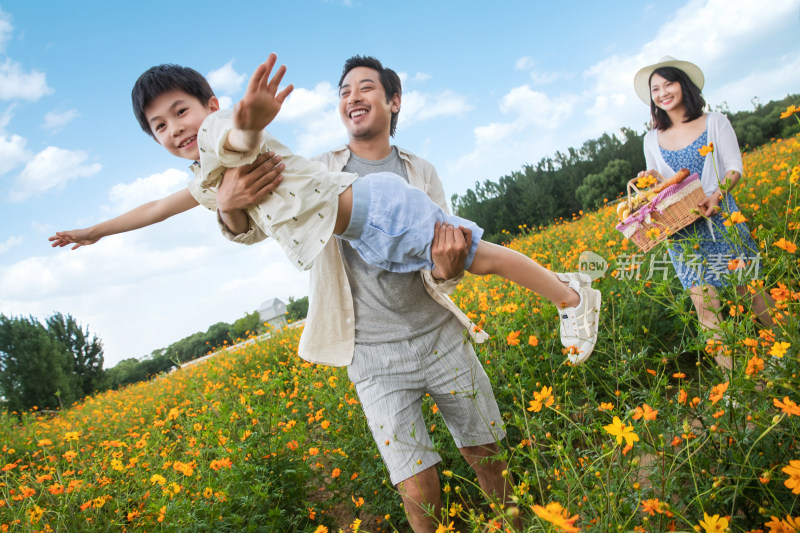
x,y
175,118
363,106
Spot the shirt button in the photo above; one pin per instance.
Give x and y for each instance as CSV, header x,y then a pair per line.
x,y
349,320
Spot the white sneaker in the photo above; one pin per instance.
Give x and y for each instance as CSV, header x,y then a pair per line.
x,y
579,324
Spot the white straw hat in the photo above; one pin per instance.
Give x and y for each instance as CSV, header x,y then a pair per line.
x,y
641,82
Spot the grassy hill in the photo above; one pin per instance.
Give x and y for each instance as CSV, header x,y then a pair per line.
x,y
648,435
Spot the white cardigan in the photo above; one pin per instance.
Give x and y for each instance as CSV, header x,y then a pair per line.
x,y
726,153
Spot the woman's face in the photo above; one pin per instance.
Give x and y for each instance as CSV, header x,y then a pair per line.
x,y
666,94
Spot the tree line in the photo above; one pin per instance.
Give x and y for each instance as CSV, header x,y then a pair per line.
x,y
52,364
560,186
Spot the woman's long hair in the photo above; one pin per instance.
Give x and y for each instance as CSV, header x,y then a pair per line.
x,y
693,100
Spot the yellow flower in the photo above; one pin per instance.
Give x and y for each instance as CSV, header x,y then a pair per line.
x,y
619,430
645,181
713,524
779,349
556,515
705,150
791,110
793,483
653,233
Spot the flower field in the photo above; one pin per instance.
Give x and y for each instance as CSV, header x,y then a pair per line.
x,y
649,435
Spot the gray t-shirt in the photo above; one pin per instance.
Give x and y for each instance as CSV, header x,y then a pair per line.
x,y
388,306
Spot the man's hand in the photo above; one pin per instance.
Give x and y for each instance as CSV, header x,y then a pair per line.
x,y
449,250
262,101
248,185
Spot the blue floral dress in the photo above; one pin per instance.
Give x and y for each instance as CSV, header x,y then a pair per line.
x,y
702,251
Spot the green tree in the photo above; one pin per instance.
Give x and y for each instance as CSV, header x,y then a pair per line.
x,y
604,185
35,368
249,324
86,352
297,309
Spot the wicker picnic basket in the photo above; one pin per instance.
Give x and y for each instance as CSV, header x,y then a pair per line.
x,y
673,208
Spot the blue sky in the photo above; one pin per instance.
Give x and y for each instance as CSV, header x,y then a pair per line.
x,y
488,87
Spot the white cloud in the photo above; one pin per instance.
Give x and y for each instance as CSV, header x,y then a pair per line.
x,y
225,80
13,153
524,63
419,107
225,102
308,104
421,77
10,243
18,85
5,29
126,196
50,169
55,120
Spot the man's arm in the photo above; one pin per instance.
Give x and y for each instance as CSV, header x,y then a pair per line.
x,y
139,217
243,187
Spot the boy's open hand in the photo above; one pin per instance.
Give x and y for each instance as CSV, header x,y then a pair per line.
x,y
78,237
262,101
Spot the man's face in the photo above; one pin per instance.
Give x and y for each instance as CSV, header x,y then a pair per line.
x,y
363,107
175,118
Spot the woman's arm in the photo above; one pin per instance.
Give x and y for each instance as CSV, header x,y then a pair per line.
x,y
139,217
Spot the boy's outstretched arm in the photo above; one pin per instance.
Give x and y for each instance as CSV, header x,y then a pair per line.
x,y
139,217
259,106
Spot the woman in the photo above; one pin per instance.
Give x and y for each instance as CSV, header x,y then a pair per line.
x,y
701,251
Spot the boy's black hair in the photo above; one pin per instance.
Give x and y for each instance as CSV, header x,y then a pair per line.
x,y
162,78
389,79
692,98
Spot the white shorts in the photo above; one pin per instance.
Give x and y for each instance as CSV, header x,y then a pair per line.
x,y
391,380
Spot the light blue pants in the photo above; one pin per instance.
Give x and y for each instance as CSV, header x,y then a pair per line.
x,y
392,224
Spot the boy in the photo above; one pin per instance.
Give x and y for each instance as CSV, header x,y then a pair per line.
x,y
387,221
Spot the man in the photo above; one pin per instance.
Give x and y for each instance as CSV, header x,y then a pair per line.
x,y
399,334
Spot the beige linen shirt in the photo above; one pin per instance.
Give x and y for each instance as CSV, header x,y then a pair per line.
x,y
329,334
299,215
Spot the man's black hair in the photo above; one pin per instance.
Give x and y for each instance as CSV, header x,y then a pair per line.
x,y
163,78
388,78
692,98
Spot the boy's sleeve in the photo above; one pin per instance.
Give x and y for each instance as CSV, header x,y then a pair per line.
x,y
212,138
253,235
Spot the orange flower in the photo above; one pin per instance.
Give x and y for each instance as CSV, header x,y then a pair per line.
x,y
754,366
793,483
221,463
606,406
705,150
336,472
513,338
791,110
717,391
787,406
541,399
735,218
556,515
789,246
646,412
682,397
533,341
